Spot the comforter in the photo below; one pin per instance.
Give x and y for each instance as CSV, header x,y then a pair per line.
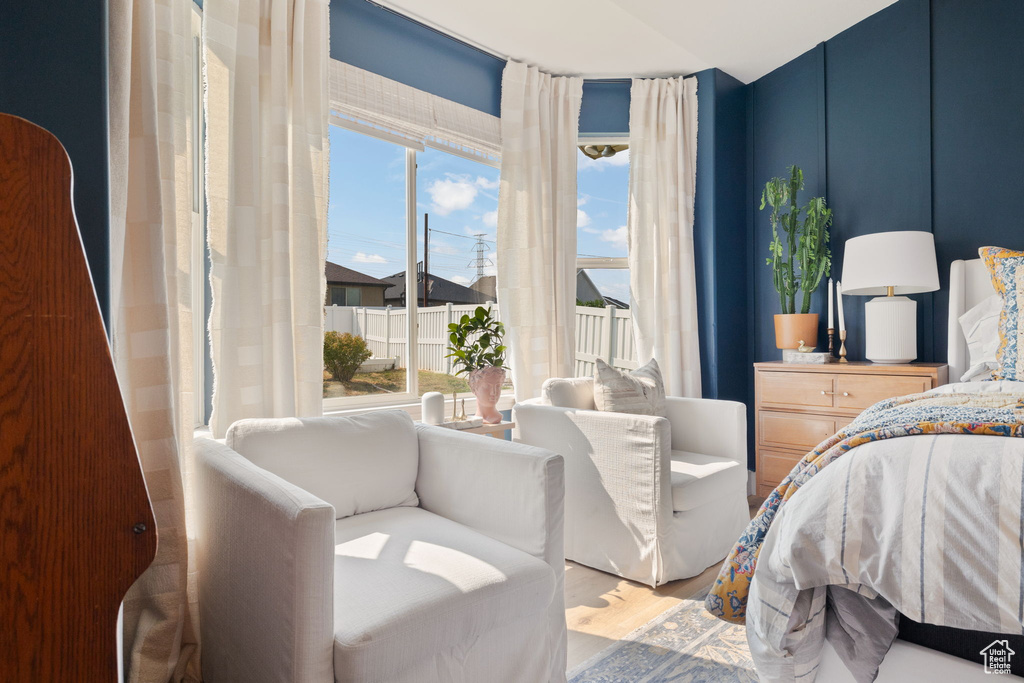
x,y
928,525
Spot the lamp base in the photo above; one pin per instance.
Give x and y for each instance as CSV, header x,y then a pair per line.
x,y
890,330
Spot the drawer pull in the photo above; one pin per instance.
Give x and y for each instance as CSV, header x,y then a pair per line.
x,y
846,393
827,393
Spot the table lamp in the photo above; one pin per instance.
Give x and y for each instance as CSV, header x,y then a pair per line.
x,y
887,265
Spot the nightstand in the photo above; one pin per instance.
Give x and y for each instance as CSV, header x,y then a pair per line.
x,y
796,406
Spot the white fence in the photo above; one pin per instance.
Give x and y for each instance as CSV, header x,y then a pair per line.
x,y
605,333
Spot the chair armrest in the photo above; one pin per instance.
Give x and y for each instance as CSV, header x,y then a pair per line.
x,y
618,481
510,492
709,427
265,562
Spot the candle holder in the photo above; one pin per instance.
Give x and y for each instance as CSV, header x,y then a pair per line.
x,y
831,341
842,347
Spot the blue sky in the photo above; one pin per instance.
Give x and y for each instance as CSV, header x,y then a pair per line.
x,y
366,217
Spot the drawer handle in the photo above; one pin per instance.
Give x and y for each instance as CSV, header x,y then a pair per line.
x,y
827,393
846,393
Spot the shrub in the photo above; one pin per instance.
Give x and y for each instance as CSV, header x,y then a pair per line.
x,y
343,354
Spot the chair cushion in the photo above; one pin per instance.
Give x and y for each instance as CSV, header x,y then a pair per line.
x,y
357,464
640,392
700,479
569,392
410,584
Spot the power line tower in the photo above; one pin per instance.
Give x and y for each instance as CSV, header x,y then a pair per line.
x,y
480,261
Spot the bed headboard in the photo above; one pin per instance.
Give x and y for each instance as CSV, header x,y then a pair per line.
x,y
969,285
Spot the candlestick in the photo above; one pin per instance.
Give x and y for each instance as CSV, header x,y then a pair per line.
x,y
831,341
842,347
831,300
839,303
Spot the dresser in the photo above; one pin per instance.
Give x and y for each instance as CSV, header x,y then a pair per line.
x,y
796,407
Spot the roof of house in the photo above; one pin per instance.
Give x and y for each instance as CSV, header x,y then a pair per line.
x,y
441,291
340,275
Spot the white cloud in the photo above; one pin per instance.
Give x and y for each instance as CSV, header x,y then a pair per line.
x,y
459,280
618,237
451,194
490,219
599,164
437,247
582,218
485,184
361,257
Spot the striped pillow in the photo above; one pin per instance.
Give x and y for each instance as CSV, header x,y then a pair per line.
x,y
641,392
1006,267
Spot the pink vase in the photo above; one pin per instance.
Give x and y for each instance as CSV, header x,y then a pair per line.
x,y
486,385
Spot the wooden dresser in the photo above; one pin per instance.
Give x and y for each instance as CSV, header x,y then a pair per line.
x,y
799,406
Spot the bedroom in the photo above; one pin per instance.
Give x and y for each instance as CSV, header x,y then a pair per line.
x,y
907,119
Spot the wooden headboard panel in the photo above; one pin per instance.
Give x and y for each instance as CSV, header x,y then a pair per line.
x,y
76,527
969,285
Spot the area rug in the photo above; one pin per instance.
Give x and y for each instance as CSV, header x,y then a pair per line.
x,y
684,644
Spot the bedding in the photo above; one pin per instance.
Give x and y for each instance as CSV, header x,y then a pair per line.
x,y
928,526
1006,268
980,326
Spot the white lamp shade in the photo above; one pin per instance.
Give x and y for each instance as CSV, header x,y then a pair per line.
x,y
903,260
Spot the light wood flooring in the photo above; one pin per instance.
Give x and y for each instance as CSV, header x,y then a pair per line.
x,y
601,608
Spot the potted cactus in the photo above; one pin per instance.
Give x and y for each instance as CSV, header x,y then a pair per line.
x,y
800,256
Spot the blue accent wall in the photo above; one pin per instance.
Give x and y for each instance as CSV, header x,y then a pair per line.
x,y
53,72
977,134
878,101
720,233
373,38
605,107
919,126
378,40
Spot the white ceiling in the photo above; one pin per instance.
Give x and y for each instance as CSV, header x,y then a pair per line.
x,y
623,38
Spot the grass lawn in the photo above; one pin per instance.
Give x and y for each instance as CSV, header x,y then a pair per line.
x,y
392,381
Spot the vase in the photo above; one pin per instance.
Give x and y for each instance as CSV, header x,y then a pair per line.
x,y
792,328
486,385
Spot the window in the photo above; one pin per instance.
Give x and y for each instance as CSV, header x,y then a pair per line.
x,y
397,209
603,322
201,297
345,296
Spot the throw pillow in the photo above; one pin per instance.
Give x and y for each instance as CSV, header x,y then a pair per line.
x,y
1006,267
980,326
641,392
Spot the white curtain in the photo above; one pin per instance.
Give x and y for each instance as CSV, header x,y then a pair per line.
x,y
267,158
662,184
151,318
537,223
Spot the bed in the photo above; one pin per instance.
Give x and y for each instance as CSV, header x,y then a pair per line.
x,y
805,653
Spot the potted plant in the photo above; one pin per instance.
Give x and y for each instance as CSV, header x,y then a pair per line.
x,y
476,349
800,256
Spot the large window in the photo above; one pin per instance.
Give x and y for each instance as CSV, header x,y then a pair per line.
x,y
603,322
398,210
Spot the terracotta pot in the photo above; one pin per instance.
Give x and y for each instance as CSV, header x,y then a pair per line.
x,y
486,385
791,328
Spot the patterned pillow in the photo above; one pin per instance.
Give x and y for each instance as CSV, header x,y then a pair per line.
x,y
641,392
1006,267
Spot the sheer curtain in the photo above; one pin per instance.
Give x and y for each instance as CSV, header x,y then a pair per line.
x,y
267,157
537,223
662,184
151,319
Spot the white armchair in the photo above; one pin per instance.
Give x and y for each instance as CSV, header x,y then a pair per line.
x,y
373,549
652,499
